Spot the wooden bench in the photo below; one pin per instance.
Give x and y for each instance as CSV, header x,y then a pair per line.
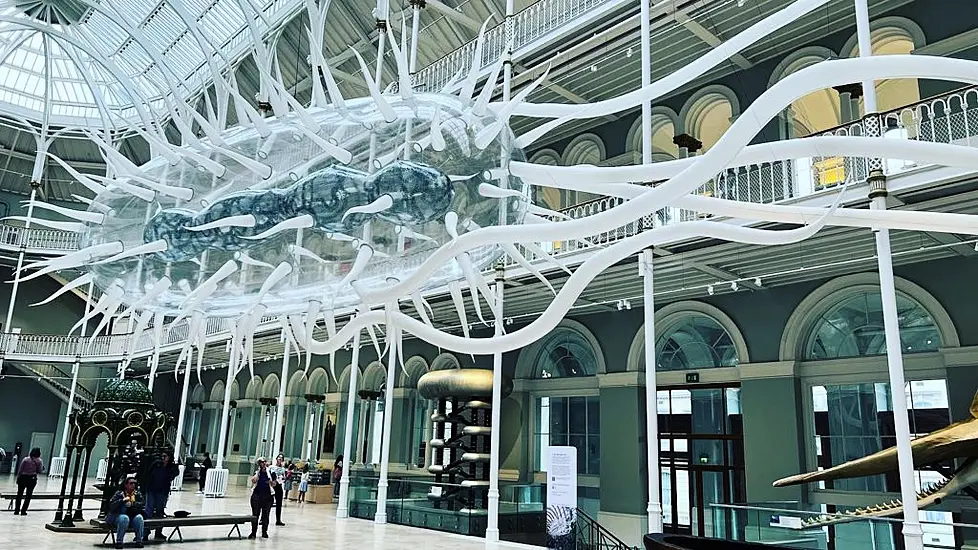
x,y
176,523
12,498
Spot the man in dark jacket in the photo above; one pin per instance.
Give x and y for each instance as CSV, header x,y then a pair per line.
x,y
202,475
126,509
161,475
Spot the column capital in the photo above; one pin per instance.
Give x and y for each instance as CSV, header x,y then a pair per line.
x,y
855,90
688,142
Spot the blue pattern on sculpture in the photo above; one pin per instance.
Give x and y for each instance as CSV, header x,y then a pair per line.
x,y
419,194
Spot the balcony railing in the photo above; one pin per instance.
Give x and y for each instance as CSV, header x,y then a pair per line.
x,y
949,118
529,25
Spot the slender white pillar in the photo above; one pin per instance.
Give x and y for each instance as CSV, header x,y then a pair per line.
x,y
232,372
76,366
865,38
343,507
415,28
646,48
311,421
276,435
651,410
385,439
178,444
492,521
20,264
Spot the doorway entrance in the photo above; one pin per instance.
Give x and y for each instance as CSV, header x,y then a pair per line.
x,y
701,455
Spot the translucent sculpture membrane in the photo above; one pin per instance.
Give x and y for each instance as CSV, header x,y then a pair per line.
x,y
409,186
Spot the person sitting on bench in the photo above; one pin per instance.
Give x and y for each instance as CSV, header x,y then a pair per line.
x,y
125,509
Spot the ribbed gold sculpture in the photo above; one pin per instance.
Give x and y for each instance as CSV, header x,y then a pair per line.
x,y
460,383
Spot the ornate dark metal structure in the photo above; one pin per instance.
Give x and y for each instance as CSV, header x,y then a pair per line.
x,y
123,410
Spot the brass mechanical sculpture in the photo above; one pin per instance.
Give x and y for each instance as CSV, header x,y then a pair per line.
x,y
959,440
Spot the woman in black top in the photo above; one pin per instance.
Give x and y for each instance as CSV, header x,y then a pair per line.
x,y
261,498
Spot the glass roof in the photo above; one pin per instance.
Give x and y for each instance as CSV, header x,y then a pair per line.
x,y
105,57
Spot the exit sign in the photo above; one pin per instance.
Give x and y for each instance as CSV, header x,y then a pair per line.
x,y
692,377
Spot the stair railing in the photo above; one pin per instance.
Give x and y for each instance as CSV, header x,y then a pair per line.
x,y
591,535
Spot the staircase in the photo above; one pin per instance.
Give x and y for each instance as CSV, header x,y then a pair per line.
x,y
591,535
56,381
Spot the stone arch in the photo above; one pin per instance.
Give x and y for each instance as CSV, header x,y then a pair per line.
x,y
667,316
549,197
811,309
271,386
526,363
198,395
892,35
584,149
297,384
445,361
254,388
343,384
709,112
217,392
374,376
414,368
815,112
548,157
318,383
665,126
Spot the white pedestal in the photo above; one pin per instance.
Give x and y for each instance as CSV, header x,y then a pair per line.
x,y
57,467
177,483
216,483
103,470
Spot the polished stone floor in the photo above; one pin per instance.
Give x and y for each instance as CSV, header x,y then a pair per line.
x,y
307,526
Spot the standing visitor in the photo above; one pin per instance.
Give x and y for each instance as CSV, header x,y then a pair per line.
x,y
289,478
304,483
261,499
161,476
278,476
27,480
337,475
202,476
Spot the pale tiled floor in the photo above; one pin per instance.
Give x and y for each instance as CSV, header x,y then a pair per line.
x,y
308,526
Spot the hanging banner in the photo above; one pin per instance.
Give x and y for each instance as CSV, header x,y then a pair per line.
x,y
561,497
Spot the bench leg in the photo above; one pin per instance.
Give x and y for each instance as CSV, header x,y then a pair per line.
x,y
107,537
233,529
176,531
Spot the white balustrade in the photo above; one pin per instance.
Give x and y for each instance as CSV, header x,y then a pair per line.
x,y
216,483
57,468
177,483
103,470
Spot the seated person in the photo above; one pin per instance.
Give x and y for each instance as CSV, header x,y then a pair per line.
x,y
125,510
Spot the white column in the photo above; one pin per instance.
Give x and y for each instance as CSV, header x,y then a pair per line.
x,y
178,444
232,371
277,441
309,416
74,376
343,507
865,38
20,262
385,439
492,521
646,48
651,411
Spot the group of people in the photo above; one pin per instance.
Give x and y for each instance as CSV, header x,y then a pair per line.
x,y
271,484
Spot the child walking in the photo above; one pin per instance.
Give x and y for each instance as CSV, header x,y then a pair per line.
x,y
304,483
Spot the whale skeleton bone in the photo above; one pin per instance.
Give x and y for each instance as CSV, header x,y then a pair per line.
x,y
956,441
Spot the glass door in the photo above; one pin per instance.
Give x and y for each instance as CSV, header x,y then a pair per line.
x,y
700,455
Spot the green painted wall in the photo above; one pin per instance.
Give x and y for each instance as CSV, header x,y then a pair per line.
x,y
623,450
772,437
26,407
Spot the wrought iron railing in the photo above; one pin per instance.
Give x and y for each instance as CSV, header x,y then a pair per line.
x,y
529,25
59,379
591,535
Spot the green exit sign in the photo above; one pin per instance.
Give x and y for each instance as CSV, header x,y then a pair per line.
x,y
692,377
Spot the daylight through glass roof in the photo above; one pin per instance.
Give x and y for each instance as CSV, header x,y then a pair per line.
x,y
107,56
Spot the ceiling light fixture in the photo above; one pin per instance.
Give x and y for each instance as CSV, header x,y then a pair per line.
x,y
709,289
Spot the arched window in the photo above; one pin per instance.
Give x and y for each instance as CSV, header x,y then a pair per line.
x,y
584,149
853,327
817,111
549,197
695,341
663,132
566,353
710,114
893,40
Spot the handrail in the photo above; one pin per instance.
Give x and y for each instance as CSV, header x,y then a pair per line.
x,y
591,535
815,512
